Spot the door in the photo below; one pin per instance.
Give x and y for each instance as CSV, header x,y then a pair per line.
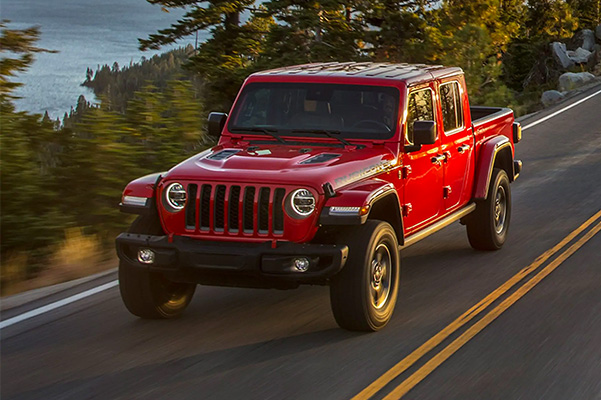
x,y
457,143
422,170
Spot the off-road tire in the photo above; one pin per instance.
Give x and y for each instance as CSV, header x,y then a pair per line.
x,y
149,294
487,227
352,298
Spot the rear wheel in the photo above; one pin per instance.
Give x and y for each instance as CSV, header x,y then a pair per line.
x,y
487,227
149,294
363,295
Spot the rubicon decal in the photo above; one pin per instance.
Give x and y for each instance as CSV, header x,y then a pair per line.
x,y
362,173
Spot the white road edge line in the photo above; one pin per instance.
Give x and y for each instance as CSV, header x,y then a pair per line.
x,y
101,288
57,304
560,111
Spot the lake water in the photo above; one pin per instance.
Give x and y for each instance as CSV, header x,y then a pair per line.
x,y
87,33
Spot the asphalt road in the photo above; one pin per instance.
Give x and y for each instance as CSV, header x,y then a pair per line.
x,y
268,344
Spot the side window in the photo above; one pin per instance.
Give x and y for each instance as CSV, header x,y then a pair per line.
x,y
419,108
452,110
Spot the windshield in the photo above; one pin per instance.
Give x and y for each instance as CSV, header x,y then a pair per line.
x,y
297,109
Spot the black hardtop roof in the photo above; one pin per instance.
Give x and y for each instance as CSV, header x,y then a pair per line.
x,y
411,73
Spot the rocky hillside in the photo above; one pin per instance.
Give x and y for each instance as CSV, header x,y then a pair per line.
x,y
578,60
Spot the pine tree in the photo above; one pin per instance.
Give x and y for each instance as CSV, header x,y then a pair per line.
x,y
29,220
501,18
402,31
95,164
223,61
314,31
550,20
588,12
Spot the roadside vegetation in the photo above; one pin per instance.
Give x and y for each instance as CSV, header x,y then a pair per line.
x,y
61,180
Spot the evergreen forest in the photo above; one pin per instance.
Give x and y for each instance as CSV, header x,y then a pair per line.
x,y
62,175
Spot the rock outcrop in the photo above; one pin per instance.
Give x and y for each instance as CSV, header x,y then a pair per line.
x,y
586,39
560,54
571,80
584,54
579,56
551,97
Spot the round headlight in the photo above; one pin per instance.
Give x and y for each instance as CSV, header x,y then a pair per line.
x,y
301,203
175,195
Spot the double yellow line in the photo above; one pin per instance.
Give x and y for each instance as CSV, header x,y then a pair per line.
x,y
409,383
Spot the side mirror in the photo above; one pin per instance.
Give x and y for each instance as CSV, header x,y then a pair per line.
x,y
424,132
216,123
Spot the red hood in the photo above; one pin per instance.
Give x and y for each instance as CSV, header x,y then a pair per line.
x,y
285,164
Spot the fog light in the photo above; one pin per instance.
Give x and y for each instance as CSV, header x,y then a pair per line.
x,y
146,256
301,264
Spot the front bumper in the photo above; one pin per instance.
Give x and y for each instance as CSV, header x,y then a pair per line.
x,y
233,263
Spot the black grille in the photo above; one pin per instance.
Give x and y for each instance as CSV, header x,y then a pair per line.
x,y
191,207
278,210
264,210
205,207
248,213
234,205
219,206
231,209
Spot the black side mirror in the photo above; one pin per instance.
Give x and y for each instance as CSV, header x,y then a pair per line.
x,y
216,123
424,132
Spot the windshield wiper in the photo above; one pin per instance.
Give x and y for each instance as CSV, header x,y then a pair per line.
x,y
270,132
328,133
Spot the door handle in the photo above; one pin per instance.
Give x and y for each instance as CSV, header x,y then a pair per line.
x,y
464,148
438,159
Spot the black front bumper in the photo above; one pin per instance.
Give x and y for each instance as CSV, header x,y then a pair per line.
x,y
233,263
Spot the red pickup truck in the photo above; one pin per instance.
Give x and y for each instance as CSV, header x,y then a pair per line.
x,y
321,175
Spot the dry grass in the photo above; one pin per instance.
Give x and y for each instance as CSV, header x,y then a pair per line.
x,y
13,270
77,256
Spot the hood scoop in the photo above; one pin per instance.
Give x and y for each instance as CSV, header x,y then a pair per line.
x,y
320,158
223,154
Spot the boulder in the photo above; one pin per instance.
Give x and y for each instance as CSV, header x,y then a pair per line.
x,y
561,56
579,56
586,39
551,97
594,59
594,63
598,32
571,80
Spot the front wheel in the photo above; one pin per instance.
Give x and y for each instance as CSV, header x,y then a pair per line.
x,y
149,294
363,295
487,227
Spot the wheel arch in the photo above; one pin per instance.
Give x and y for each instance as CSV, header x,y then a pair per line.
x,y
387,208
495,153
373,199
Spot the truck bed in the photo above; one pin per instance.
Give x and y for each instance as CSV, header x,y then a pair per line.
x,y
491,121
482,114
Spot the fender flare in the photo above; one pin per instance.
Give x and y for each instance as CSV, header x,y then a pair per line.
x,y
489,151
355,204
132,200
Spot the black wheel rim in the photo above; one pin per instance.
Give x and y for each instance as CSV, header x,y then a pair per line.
x,y
380,276
500,209
170,294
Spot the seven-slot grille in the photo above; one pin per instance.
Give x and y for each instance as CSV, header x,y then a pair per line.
x,y
235,209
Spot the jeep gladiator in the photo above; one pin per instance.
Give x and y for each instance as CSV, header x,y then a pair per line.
x,y
322,174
